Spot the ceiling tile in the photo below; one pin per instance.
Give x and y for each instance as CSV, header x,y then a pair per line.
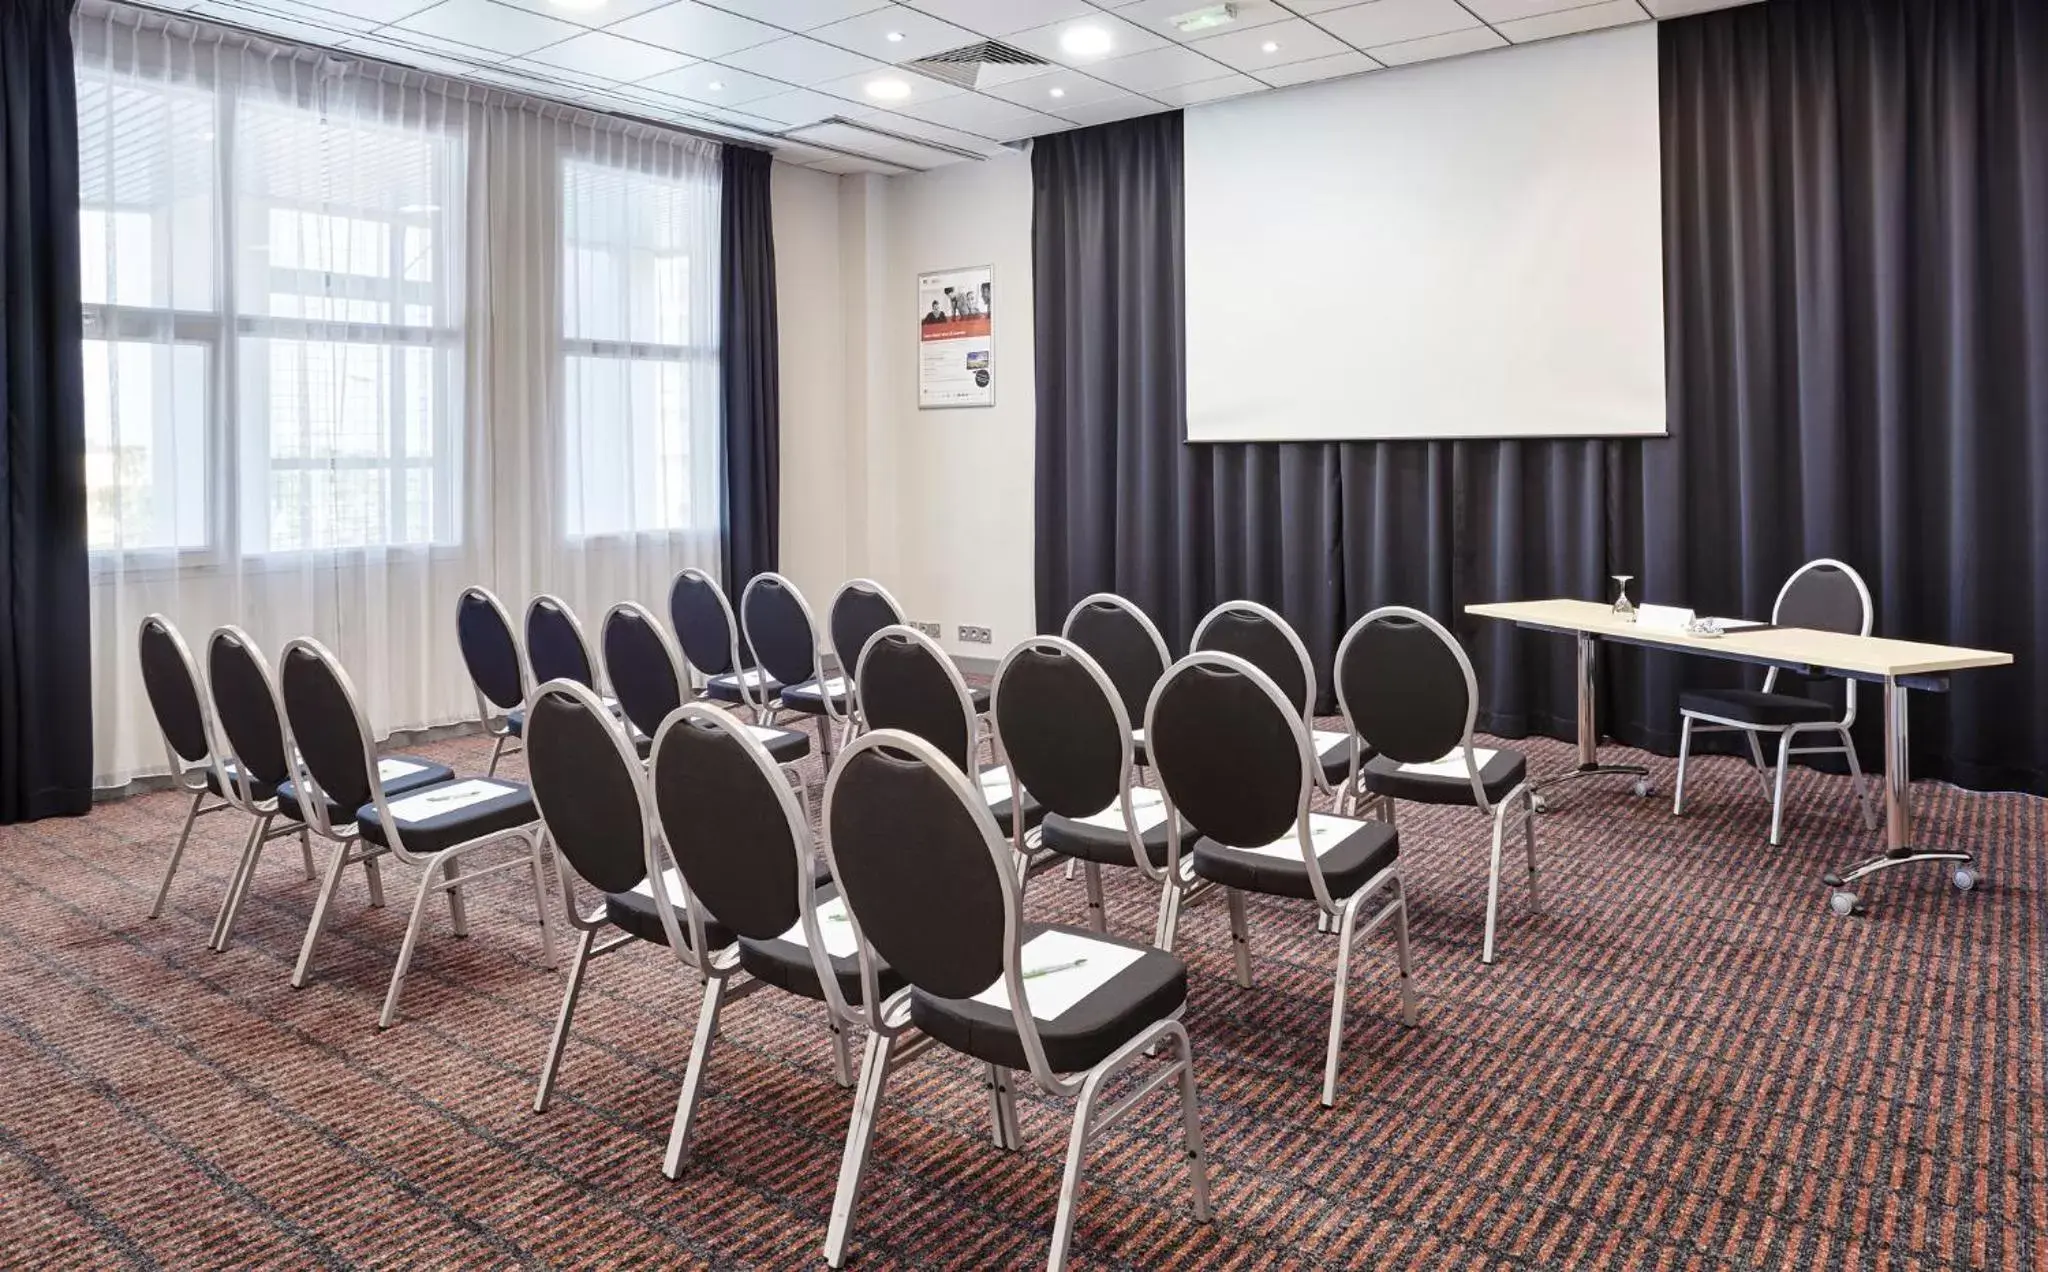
x,y
1310,8
1207,91
1004,17
800,60
559,74
1391,21
800,15
1129,106
376,12
869,34
1291,41
1679,8
1589,17
392,51
854,88
800,106
607,56
1348,62
845,165
972,112
1429,48
1510,10
695,29
890,121
1159,68
713,84
589,13
1158,16
863,141
486,24
1125,38
295,21
1071,87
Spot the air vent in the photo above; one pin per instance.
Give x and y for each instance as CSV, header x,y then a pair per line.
x,y
979,65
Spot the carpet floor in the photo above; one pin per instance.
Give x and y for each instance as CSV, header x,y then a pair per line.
x,y
1684,1060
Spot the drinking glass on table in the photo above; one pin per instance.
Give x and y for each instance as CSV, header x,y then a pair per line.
x,y
1624,609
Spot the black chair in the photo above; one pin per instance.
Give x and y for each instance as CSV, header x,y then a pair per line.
x,y
1127,646
1061,729
1824,595
596,807
861,608
433,828
1236,763
490,650
744,847
556,648
260,778
925,875
178,699
907,682
710,640
776,621
1264,639
1406,687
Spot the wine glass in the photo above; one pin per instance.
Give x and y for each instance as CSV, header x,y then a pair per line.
x,y
1623,608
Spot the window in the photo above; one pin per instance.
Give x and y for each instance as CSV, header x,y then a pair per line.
x,y
639,349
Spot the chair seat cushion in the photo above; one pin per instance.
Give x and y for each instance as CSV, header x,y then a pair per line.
x,y
515,722
996,786
1150,989
400,774
1350,852
809,697
424,830
1499,773
1333,752
227,776
1103,838
786,963
727,688
1751,706
635,912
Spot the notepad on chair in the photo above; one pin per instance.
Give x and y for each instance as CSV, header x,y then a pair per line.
x,y
439,801
835,928
1453,763
1060,969
1148,809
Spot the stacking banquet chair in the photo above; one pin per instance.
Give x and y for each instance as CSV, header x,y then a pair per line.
x,y
861,608
1127,646
710,640
556,648
926,880
1407,689
1263,639
776,621
435,829
260,776
907,682
1825,595
490,650
1061,729
1235,761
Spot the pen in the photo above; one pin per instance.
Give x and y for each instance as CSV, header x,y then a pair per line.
x,y
1036,972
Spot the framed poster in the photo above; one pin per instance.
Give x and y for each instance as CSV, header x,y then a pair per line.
x,y
956,347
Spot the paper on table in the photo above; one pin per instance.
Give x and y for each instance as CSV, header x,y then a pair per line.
x,y
1663,618
1324,832
1452,764
1737,624
995,784
834,927
388,769
1148,809
1061,969
437,801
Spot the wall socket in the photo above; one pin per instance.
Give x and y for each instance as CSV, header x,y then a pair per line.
x,y
929,629
970,635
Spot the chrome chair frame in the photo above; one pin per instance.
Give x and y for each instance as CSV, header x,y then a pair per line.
x,y
188,774
503,741
236,787
749,685
831,723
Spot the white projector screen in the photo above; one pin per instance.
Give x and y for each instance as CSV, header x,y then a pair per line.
x,y
1468,248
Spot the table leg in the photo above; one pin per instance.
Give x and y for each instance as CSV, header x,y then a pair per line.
x,y
1589,734
1898,814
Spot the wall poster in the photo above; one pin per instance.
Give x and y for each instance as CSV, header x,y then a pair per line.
x,y
955,338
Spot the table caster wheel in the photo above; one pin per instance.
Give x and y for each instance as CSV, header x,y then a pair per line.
x,y
1539,803
1844,903
1643,788
1965,878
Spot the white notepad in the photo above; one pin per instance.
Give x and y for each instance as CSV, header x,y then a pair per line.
x,y
1148,809
390,769
1453,763
834,686
834,928
1736,624
1322,740
1138,735
437,801
995,784
1663,618
1324,833
1061,969
752,677
762,733
673,879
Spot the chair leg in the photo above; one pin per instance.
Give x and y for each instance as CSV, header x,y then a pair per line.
x,y
551,1063
541,850
842,1057
373,870
1070,1179
1404,958
497,753
1529,843
860,1135
306,853
321,906
1778,795
1345,926
156,907
1863,801
1002,1110
458,912
693,1078
825,738
238,884
1097,916
1684,753
1240,937
389,1015
1191,1131
1168,926
1073,868
1756,753
1493,881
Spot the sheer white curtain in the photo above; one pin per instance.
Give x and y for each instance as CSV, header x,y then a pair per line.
x,y
357,338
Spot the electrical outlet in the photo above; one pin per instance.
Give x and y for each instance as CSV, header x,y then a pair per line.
x,y
975,635
929,629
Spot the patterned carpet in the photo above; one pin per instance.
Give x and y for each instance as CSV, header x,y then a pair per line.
x,y
1685,1061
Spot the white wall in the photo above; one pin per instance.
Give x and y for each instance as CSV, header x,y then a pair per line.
x,y
817,532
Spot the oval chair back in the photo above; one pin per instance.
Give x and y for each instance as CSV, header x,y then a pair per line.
x,y
1230,750
177,696
589,789
906,682
1262,638
1829,596
1405,685
642,667
703,621
1061,727
861,608
777,624
337,751
490,650
245,702
555,645
1124,643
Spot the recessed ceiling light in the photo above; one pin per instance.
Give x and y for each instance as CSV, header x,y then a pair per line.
x,y
715,86
888,90
1059,92
1086,41
1270,46
894,37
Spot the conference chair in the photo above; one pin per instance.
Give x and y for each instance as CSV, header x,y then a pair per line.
x,y
1061,729
260,777
926,878
906,682
1824,595
745,851
1127,646
433,829
1407,690
1238,767
556,648
861,608
1265,640
777,624
497,672
710,640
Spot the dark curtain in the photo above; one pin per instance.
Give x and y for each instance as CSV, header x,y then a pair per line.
x,y
747,366
45,658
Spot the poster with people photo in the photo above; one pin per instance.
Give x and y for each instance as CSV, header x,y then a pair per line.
x,y
955,338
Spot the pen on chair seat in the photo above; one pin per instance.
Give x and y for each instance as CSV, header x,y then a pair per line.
x,y
1036,972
